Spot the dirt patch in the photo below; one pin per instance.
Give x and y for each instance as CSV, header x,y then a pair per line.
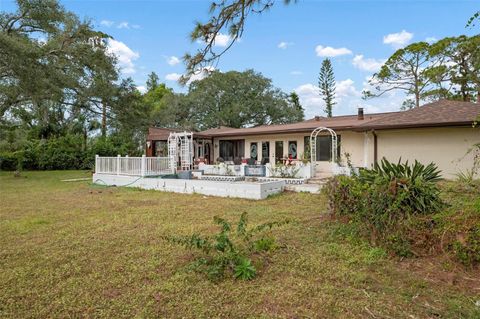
x,y
441,269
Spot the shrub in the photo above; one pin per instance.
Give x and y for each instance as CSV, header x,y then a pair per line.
x,y
229,251
61,153
8,161
384,199
30,155
412,186
284,171
64,152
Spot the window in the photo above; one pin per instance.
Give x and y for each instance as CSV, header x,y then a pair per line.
x,y
324,147
292,149
200,149
254,150
229,149
161,149
278,151
265,152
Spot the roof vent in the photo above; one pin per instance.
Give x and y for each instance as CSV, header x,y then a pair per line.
x,y
360,113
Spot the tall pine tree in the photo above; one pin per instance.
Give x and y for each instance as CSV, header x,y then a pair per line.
x,y
326,83
152,81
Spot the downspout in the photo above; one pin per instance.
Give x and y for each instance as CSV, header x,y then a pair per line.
x,y
375,147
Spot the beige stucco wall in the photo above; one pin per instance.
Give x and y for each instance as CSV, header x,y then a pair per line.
x,y
265,138
351,142
447,147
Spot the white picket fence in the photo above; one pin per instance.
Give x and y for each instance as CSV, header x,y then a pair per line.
x,y
133,166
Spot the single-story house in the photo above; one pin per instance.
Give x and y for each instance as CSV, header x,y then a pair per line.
x,y
442,132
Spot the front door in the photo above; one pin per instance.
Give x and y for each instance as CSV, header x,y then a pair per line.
x,y
265,152
324,147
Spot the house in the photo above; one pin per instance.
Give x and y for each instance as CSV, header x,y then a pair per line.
x,y
442,132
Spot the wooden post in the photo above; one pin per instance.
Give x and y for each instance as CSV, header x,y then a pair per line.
x,y
142,169
118,164
96,163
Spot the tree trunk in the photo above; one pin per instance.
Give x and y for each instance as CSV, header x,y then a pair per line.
x,y
104,118
84,144
417,99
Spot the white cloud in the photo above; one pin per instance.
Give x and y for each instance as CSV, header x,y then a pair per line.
x,y
347,98
142,88
123,25
346,88
388,102
331,52
201,74
371,65
221,40
296,73
172,77
431,39
310,99
107,23
124,54
398,40
283,45
173,60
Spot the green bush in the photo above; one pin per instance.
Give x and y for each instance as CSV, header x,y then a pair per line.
x,y
384,199
412,187
65,152
229,251
8,161
61,153
30,155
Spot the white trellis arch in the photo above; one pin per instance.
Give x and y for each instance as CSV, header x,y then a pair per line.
x,y
185,141
313,146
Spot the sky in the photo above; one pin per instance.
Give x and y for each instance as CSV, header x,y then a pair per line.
x,y
286,44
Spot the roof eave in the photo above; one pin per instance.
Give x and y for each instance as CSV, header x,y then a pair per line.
x,y
405,126
299,130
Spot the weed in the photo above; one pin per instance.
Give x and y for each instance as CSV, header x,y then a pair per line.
x,y
227,250
467,249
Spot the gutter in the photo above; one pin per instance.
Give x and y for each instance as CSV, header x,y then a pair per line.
x,y
365,128
290,131
375,147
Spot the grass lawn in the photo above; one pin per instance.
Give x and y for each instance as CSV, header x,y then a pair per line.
x,y
70,249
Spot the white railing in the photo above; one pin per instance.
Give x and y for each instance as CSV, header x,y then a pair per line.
x,y
133,166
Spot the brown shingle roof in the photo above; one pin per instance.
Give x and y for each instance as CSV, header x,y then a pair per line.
x,y
344,122
439,113
217,130
161,134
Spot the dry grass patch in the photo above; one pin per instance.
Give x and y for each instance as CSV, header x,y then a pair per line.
x,y
77,250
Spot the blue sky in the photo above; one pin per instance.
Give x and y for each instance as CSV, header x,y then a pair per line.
x,y
286,44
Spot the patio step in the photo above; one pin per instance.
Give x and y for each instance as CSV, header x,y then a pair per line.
x,y
322,175
307,188
317,181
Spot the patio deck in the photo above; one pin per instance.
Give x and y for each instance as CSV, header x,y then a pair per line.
x,y
239,189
